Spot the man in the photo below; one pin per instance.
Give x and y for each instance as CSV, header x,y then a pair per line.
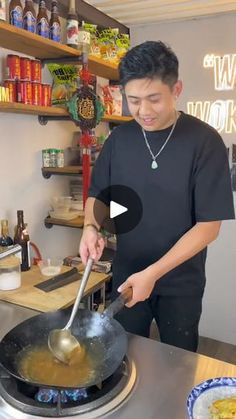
x,y
178,166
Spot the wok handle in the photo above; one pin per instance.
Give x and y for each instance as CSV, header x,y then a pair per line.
x,y
124,298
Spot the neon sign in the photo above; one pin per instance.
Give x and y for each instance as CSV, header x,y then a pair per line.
x,y
221,114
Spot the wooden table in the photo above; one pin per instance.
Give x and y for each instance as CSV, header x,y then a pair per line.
x,y
29,296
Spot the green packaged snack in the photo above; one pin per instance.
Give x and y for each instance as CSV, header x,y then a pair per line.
x,y
65,82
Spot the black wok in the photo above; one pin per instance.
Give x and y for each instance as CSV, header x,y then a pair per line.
x,y
103,337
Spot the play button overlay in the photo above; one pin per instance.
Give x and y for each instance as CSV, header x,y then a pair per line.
x,y
124,209
116,209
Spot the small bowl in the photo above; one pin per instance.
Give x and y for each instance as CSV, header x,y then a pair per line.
x,y
50,266
61,203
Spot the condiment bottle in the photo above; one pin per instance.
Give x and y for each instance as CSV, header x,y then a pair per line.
x,y
42,27
72,26
55,25
5,239
16,13
22,238
29,17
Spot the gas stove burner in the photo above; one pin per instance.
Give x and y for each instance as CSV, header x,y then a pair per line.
x,y
89,403
48,395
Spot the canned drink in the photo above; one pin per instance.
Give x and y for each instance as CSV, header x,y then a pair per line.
x,y
46,95
13,67
36,71
36,94
24,92
12,90
46,157
25,69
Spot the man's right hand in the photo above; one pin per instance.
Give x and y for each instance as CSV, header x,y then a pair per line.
x,y
91,244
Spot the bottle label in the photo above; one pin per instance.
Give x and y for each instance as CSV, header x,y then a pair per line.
x,y
43,28
29,22
16,17
55,32
72,32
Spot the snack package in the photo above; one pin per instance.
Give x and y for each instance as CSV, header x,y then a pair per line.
x,y
108,47
65,82
94,43
123,45
111,98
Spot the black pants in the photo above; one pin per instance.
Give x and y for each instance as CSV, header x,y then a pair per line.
x,y
177,319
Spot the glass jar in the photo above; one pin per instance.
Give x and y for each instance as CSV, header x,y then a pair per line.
x,y
10,274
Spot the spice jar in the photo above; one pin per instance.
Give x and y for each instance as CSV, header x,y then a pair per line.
x,y
10,274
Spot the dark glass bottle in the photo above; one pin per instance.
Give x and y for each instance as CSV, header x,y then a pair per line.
x,y
29,17
54,24
22,238
5,239
16,13
42,27
72,26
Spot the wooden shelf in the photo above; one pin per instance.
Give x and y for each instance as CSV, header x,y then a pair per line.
x,y
67,170
75,223
10,107
28,43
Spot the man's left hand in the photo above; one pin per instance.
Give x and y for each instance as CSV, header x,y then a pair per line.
x,y
142,284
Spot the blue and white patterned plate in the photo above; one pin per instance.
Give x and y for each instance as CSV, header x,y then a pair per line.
x,y
203,395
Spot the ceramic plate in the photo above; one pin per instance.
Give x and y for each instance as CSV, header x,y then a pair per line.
x,y
203,395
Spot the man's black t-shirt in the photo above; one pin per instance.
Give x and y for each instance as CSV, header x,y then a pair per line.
x,y
192,184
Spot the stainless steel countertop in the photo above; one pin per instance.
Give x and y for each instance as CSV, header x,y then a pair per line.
x,y
166,374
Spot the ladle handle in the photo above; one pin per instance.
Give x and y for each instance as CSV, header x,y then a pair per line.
x,y
80,294
124,298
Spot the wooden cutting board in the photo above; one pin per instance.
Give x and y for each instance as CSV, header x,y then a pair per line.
x,y
29,296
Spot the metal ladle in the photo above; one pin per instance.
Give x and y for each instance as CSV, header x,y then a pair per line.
x,y
61,342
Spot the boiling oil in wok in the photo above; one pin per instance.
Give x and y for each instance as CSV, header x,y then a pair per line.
x,y
38,365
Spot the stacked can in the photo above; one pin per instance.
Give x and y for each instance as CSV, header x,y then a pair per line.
x,y
53,157
24,80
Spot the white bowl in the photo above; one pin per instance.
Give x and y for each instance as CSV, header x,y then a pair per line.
x,y
50,266
61,203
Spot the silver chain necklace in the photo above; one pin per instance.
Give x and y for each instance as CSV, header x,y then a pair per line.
x,y
154,164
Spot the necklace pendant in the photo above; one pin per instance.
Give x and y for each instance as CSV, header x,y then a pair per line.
x,y
154,165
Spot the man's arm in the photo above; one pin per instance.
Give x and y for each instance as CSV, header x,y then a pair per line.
x,y
92,243
191,243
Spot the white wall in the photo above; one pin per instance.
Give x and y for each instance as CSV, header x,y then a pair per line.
x,y
22,185
192,40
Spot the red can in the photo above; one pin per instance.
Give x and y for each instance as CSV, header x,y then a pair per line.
x,y
36,94
24,92
46,95
12,89
13,67
25,68
36,71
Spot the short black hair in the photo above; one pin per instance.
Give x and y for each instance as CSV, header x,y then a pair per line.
x,y
151,59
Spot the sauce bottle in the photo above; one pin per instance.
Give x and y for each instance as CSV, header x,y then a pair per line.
x,y
55,25
22,238
29,17
5,239
72,26
16,13
42,27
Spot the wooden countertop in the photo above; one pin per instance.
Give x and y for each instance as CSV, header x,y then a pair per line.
x,y
29,296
